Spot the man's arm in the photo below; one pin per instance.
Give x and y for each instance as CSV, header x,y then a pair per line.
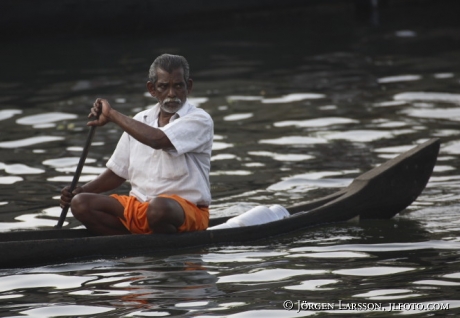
x,y
106,181
145,134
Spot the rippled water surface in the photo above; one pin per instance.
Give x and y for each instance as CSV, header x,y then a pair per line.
x,y
299,112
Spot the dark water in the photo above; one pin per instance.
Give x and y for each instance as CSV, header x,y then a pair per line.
x,y
302,104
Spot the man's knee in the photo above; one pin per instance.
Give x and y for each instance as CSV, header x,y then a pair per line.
x,y
158,208
79,205
166,211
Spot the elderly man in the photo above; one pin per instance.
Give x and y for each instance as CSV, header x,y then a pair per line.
x,y
164,152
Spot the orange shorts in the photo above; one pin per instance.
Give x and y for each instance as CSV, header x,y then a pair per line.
x,y
135,213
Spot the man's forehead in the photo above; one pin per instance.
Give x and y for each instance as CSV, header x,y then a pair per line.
x,y
178,72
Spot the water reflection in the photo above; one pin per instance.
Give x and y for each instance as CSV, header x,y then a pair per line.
x,y
428,97
386,247
294,140
170,285
361,135
314,285
243,98
281,157
446,113
317,122
34,221
235,117
388,294
35,280
297,97
45,120
66,162
10,180
344,254
72,310
8,113
302,185
266,276
373,271
200,284
68,179
19,168
443,75
398,78
28,141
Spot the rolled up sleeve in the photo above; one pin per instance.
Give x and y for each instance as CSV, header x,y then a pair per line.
x,y
191,133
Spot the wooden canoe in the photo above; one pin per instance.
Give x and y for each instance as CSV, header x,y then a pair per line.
x,y
379,193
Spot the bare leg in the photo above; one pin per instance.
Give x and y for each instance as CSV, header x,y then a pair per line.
x,y
165,215
99,213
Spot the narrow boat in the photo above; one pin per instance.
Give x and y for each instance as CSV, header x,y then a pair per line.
x,y
379,193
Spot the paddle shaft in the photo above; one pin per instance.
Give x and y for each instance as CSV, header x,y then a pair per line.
x,y
76,177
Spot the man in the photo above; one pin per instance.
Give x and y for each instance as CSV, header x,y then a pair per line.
x,y
164,152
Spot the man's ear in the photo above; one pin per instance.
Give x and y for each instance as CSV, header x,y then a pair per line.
x,y
189,85
151,88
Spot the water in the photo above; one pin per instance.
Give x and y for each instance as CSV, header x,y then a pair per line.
x,y
300,109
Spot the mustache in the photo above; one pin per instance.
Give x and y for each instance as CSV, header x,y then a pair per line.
x,y
172,100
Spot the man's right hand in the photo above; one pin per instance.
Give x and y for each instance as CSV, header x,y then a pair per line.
x,y
66,196
100,112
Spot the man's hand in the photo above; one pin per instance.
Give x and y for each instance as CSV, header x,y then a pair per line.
x,y
100,113
66,196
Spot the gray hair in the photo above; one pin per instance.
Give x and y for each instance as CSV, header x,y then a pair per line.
x,y
169,63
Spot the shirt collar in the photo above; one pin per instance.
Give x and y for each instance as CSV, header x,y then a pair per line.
x,y
184,110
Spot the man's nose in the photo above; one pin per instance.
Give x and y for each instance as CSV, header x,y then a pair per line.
x,y
171,92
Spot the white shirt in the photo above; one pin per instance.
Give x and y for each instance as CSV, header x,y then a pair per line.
x,y
183,171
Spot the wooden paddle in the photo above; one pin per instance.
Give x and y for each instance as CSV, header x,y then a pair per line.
x,y
76,177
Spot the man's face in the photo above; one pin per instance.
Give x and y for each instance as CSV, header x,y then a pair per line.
x,y
170,89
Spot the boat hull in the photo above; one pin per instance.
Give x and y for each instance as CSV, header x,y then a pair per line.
x,y
379,193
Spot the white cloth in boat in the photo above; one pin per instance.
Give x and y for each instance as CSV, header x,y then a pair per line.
x,y
183,170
